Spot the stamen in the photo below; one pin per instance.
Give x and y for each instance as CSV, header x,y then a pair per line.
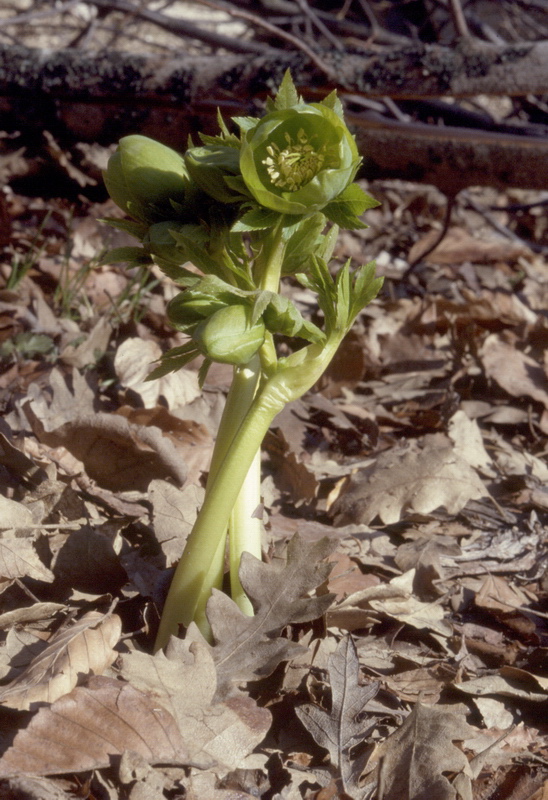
x,y
296,165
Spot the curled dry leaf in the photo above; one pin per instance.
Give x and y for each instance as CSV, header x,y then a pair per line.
x,y
417,480
83,648
345,725
116,453
83,730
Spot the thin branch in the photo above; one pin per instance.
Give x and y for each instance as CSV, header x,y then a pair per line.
x,y
459,20
303,5
274,30
182,27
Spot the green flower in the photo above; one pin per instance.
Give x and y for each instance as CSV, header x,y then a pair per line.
x,y
149,181
298,160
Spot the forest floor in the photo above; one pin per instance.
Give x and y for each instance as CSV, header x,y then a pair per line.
x,y
405,506
417,467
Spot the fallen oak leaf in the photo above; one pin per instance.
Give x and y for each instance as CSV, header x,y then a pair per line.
x,y
83,648
250,648
417,480
413,763
342,728
183,681
116,453
83,730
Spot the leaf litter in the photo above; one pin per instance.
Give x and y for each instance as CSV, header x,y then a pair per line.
x,y
399,644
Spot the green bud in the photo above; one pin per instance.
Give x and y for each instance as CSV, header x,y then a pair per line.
x,y
228,336
208,167
145,178
282,316
297,160
184,311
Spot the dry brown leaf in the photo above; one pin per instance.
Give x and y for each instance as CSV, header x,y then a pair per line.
x,y
83,648
468,441
517,373
83,353
346,725
497,595
396,600
192,440
133,362
509,682
31,613
29,788
14,515
458,245
416,480
19,559
83,730
415,760
416,685
174,512
118,455
184,682
250,648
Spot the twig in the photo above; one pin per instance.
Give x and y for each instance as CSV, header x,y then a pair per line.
x,y
274,30
182,27
459,20
445,227
303,5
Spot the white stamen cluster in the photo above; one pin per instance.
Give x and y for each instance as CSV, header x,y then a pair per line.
x,y
294,166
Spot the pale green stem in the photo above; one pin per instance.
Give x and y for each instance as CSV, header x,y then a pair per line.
x,y
245,531
209,530
235,501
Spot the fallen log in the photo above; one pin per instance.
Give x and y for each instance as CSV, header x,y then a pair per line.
x,y
90,97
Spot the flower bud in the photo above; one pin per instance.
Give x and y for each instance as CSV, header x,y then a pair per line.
x,y
145,178
228,336
208,167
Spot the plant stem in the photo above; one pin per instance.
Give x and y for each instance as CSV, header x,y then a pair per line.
x,y
188,584
245,531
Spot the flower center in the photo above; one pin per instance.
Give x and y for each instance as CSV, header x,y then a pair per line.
x,y
295,165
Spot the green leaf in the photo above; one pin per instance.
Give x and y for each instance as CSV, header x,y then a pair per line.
x,y
245,123
343,296
173,360
136,229
320,281
202,372
332,101
135,256
225,137
287,96
366,288
303,242
258,219
346,209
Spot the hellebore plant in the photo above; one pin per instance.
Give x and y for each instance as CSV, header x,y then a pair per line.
x,y
245,211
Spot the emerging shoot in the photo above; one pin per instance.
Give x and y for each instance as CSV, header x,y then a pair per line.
x,y
245,210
